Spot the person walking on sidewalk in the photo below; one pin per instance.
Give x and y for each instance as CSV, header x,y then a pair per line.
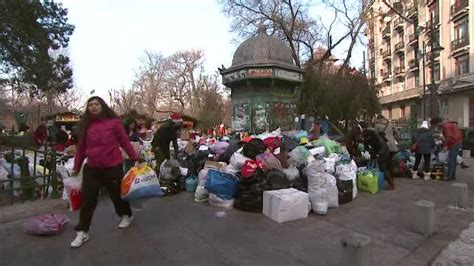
x,y
424,147
452,143
102,135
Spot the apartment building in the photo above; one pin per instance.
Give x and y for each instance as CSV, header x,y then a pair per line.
x,y
400,58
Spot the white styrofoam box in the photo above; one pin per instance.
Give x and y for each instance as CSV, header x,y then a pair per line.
x,y
285,205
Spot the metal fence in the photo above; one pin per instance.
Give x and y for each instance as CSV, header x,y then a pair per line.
x,y
31,173
405,130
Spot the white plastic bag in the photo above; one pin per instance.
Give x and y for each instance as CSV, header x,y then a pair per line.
x,y
237,160
219,202
201,194
348,172
202,177
140,182
292,173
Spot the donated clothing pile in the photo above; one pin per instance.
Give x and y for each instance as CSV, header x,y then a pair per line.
x,y
282,175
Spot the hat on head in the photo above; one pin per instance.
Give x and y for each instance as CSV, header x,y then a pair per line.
x,y
176,118
424,124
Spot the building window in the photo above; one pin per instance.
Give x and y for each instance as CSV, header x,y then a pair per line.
x,y
461,29
402,111
462,65
389,112
437,75
417,80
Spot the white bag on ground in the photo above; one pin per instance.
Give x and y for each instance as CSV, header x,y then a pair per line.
x,y
201,194
321,186
348,172
219,202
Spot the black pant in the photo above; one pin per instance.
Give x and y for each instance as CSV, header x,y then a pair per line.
x,y
93,180
426,159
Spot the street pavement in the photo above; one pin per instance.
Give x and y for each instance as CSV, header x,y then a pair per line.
x,y
177,231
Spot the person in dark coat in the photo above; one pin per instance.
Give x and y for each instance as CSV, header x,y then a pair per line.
x,y
168,132
424,148
376,144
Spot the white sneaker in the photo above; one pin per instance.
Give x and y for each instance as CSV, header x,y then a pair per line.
x,y
126,221
414,174
80,239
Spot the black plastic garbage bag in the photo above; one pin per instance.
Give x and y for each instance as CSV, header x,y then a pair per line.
x,y
197,162
249,196
300,183
277,179
234,145
253,148
344,188
289,143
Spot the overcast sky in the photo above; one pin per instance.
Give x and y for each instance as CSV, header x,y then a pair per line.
x,y
111,36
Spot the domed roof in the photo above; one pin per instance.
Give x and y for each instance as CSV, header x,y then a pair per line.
x,y
262,50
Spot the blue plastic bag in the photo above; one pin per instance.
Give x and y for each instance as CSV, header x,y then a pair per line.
x,y
374,168
222,184
191,184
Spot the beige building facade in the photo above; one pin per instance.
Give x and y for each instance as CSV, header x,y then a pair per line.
x,y
400,59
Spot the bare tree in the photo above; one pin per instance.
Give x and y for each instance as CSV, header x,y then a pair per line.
x,y
351,15
286,19
125,100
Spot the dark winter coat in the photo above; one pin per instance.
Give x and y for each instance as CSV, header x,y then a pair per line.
x,y
426,141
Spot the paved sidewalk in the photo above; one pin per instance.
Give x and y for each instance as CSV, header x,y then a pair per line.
x,y
177,231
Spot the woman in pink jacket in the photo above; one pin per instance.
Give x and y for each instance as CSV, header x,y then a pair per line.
x,y
102,135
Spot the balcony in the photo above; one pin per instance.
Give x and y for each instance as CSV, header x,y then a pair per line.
x,y
435,24
459,9
371,43
400,47
411,12
412,39
399,71
400,96
399,24
387,77
413,65
459,43
387,55
372,61
386,33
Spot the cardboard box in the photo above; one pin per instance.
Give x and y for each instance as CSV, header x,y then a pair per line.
x,y
285,205
215,165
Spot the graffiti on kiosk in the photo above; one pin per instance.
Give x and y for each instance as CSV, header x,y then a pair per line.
x,y
240,120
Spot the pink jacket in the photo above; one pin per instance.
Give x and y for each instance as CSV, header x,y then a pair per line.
x,y
101,145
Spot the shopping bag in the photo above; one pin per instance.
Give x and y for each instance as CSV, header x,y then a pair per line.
x,y
374,168
140,182
222,184
367,181
75,197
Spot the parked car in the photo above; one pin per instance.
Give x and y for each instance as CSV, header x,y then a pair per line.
x,y
468,139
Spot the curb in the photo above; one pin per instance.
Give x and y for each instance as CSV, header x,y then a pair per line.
x,y
30,208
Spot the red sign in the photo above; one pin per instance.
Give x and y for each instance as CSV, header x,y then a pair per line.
x,y
261,72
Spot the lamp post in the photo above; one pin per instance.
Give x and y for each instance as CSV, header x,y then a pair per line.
x,y
434,49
